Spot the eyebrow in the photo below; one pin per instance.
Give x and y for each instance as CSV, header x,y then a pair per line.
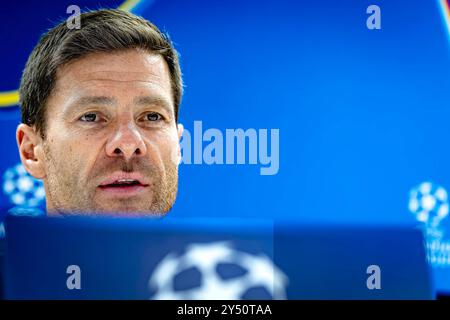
x,y
154,100
109,101
95,100
90,100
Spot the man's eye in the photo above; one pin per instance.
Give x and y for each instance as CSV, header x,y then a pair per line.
x,y
89,117
153,116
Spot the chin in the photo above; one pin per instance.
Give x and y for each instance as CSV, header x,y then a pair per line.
x,y
125,212
110,212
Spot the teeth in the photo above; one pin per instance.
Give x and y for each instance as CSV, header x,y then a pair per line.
x,y
125,181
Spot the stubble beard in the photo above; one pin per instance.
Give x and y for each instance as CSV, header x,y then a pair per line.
x,y
70,196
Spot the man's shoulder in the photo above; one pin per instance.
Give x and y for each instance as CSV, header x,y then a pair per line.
x,y
16,211
2,265
27,211
19,211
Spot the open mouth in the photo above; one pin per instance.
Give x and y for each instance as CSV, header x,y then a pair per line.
x,y
123,187
123,184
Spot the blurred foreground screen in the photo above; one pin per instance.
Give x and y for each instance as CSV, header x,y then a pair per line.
x,y
341,118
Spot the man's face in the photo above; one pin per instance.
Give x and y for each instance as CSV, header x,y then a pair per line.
x,y
112,143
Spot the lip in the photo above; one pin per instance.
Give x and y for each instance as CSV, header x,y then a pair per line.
x,y
124,191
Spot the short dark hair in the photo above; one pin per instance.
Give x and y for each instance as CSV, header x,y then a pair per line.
x,y
102,30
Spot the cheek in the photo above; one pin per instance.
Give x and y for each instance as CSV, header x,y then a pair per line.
x,y
175,155
73,155
168,146
174,146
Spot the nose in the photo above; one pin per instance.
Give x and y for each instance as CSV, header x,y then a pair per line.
x,y
126,142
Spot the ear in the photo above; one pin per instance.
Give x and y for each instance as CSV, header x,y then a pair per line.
x,y
180,129
31,153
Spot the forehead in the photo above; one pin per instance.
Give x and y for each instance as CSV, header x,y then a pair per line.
x,y
117,74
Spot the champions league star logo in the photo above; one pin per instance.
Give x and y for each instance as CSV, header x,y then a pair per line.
x,y
23,191
217,271
21,188
429,203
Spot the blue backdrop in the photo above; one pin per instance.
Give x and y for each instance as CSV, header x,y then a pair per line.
x,y
362,114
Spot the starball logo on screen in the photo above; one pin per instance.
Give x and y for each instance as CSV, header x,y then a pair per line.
x,y
429,204
258,271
